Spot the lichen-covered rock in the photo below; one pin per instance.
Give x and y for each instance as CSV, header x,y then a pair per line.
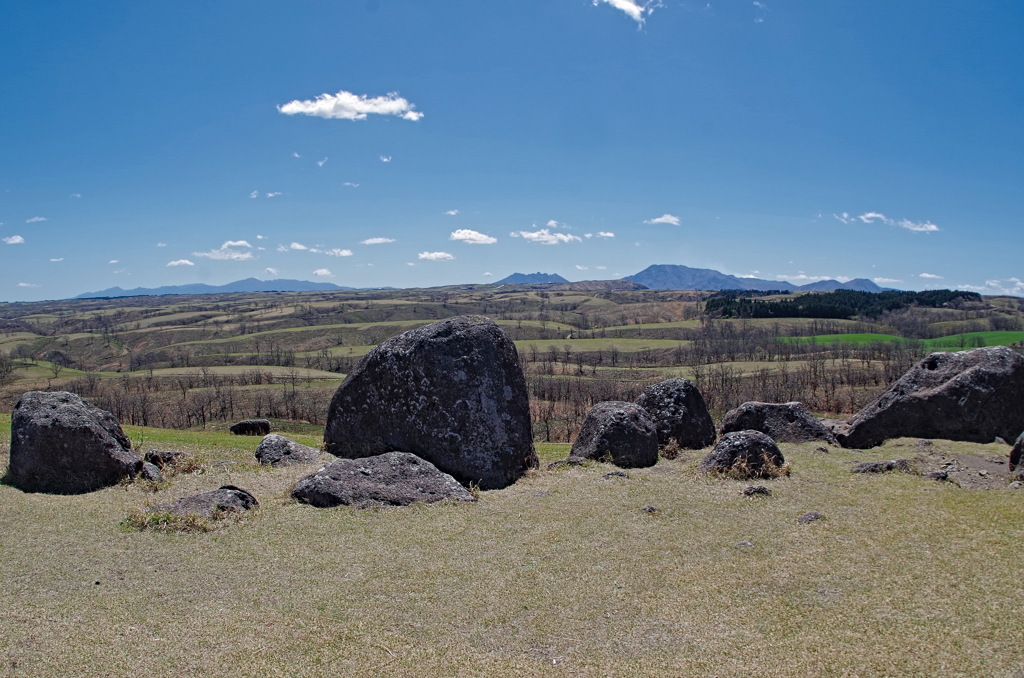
x,y
61,444
975,395
1017,458
783,422
276,450
451,392
390,479
251,427
745,454
226,499
617,432
679,413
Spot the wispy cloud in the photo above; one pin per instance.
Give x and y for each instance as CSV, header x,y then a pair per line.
x,y
879,218
322,273
803,278
488,274
35,220
254,195
385,158
296,154
232,250
75,195
321,163
56,259
472,237
1013,287
114,261
666,218
581,268
23,284
161,244
298,246
452,213
637,10
884,281
337,252
350,184
180,262
930,276
271,271
14,240
605,234
546,237
348,106
377,241
274,194
435,256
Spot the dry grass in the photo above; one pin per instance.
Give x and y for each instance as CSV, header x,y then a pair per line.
x,y
561,574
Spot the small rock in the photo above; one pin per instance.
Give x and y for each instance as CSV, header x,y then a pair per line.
x,y
809,517
1016,485
924,442
755,490
164,458
150,472
276,450
251,427
616,474
882,466
937,476
822,449
649,509
745,544
227,498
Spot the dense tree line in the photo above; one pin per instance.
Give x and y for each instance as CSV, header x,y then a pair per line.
x,y
840,304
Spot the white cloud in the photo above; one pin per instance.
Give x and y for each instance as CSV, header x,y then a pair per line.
x,y
261,237
75,195
348,106
636,10
254,194
554,224
385,158
114,261
472,237
271,271
930,276
802,278
452,213
605,234
581,268
377,241
161,244
322,273
321,163
488,274
297,246
666,218
180,262
546,237
601,268
56,259
232,250
1013,287
274,194
295,154
14,240
435,256
879,218
882,281
35,220
350,184
338,252
27,285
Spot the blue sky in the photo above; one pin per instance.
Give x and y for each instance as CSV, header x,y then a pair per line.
x,y
409,143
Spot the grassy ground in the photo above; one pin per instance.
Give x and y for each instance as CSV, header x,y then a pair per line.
x,y
563,573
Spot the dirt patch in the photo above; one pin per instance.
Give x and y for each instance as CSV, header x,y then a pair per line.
x,y
969,471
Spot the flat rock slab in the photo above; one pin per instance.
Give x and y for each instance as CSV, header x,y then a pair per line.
x,y
679,413
745,454
617,432
784,422
226,499
61,444
390,479
451,392
276,450
975,396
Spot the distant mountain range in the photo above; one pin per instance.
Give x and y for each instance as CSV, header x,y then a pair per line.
x,y
678,277
531,279
247,285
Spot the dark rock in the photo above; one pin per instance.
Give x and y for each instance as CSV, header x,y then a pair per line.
x,y
451,392
616,474
882,466
821,448
390,479
617,432
938,476
679,413
210,504
251,427
747,454
975,396
649,509
164,458
756,490
784,422
809,517
564,463
150,472
1017,458
276,450
61,444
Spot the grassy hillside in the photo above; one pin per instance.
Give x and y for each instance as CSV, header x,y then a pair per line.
x,y
564,573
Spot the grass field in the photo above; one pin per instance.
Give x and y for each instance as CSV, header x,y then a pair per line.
x,y
563,573
952,342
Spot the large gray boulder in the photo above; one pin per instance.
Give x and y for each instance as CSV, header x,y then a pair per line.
x,y
1017,458
226,499
679,413
451,392
251,427
617,432
61,444
390,479
276,450
783,422
744,454
975,395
